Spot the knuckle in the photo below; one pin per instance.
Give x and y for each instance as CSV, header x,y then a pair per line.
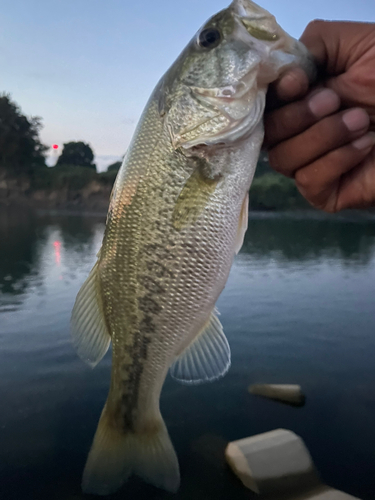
x,y
316,140
275,159
271,129
288,117
330,203
330,133
331,209
303,180
308,183
288,121
316,25
277,124
317,191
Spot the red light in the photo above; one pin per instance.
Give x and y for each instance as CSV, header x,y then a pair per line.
x,y
55,146
57,245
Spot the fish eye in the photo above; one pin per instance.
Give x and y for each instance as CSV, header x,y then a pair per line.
x,y
209,38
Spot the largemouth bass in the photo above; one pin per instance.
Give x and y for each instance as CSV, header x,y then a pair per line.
x,y
177,216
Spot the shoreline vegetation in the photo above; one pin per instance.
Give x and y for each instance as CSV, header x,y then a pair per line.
x,y
77,188
74,184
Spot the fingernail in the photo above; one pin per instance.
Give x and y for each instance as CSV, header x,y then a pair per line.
x,y
323,103
292,84
288,77
365,142
356,119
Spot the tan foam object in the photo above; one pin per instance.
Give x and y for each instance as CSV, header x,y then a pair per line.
x,y
325,493
278,463
289,393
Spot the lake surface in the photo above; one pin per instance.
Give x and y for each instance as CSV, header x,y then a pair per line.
x,y
299,307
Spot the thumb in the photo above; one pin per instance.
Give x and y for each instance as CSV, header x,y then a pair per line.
x,y
338,45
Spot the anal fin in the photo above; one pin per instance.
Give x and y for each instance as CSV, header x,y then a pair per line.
x,y
89,332
206,359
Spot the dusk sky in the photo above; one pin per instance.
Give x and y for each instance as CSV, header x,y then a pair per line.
x,y
87,67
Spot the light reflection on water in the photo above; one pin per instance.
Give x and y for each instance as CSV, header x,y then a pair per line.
x,y
298,307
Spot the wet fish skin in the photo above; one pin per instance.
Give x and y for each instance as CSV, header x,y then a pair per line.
x,y
177,216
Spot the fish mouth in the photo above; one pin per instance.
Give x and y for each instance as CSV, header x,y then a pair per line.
x,y
283,50
302,59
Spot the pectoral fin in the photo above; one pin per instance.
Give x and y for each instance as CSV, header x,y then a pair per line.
x,y
193,199
89,332
242,224
206,359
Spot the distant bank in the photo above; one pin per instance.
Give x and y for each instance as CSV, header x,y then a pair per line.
x,y
66,188
82,189
74,185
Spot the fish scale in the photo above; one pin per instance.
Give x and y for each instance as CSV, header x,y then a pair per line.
x,y
177,217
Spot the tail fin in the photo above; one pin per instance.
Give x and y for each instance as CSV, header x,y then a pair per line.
x,y
114,456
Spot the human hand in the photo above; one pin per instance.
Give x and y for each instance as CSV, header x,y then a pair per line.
x,y
326,139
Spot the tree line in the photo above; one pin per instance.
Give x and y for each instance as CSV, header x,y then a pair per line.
x,y
21,150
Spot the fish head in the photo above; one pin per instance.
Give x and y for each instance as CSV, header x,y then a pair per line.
x,y
215,91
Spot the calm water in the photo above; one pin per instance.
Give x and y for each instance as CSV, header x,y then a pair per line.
x,y
299,307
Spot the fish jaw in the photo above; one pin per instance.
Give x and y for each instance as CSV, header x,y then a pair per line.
x,y
283,51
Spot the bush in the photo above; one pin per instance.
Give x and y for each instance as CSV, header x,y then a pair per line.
x,y
107,178
77,153
263,166
71,177
275,192
114,167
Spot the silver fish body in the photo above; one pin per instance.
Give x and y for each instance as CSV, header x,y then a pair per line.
x,y
177,217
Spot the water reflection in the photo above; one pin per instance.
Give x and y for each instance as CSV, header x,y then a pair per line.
x,y
57,246
18,251
77,233
290,238
303,239
28,242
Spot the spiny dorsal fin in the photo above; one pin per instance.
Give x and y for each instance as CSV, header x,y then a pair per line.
x,y
242,224
206,359
89,333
